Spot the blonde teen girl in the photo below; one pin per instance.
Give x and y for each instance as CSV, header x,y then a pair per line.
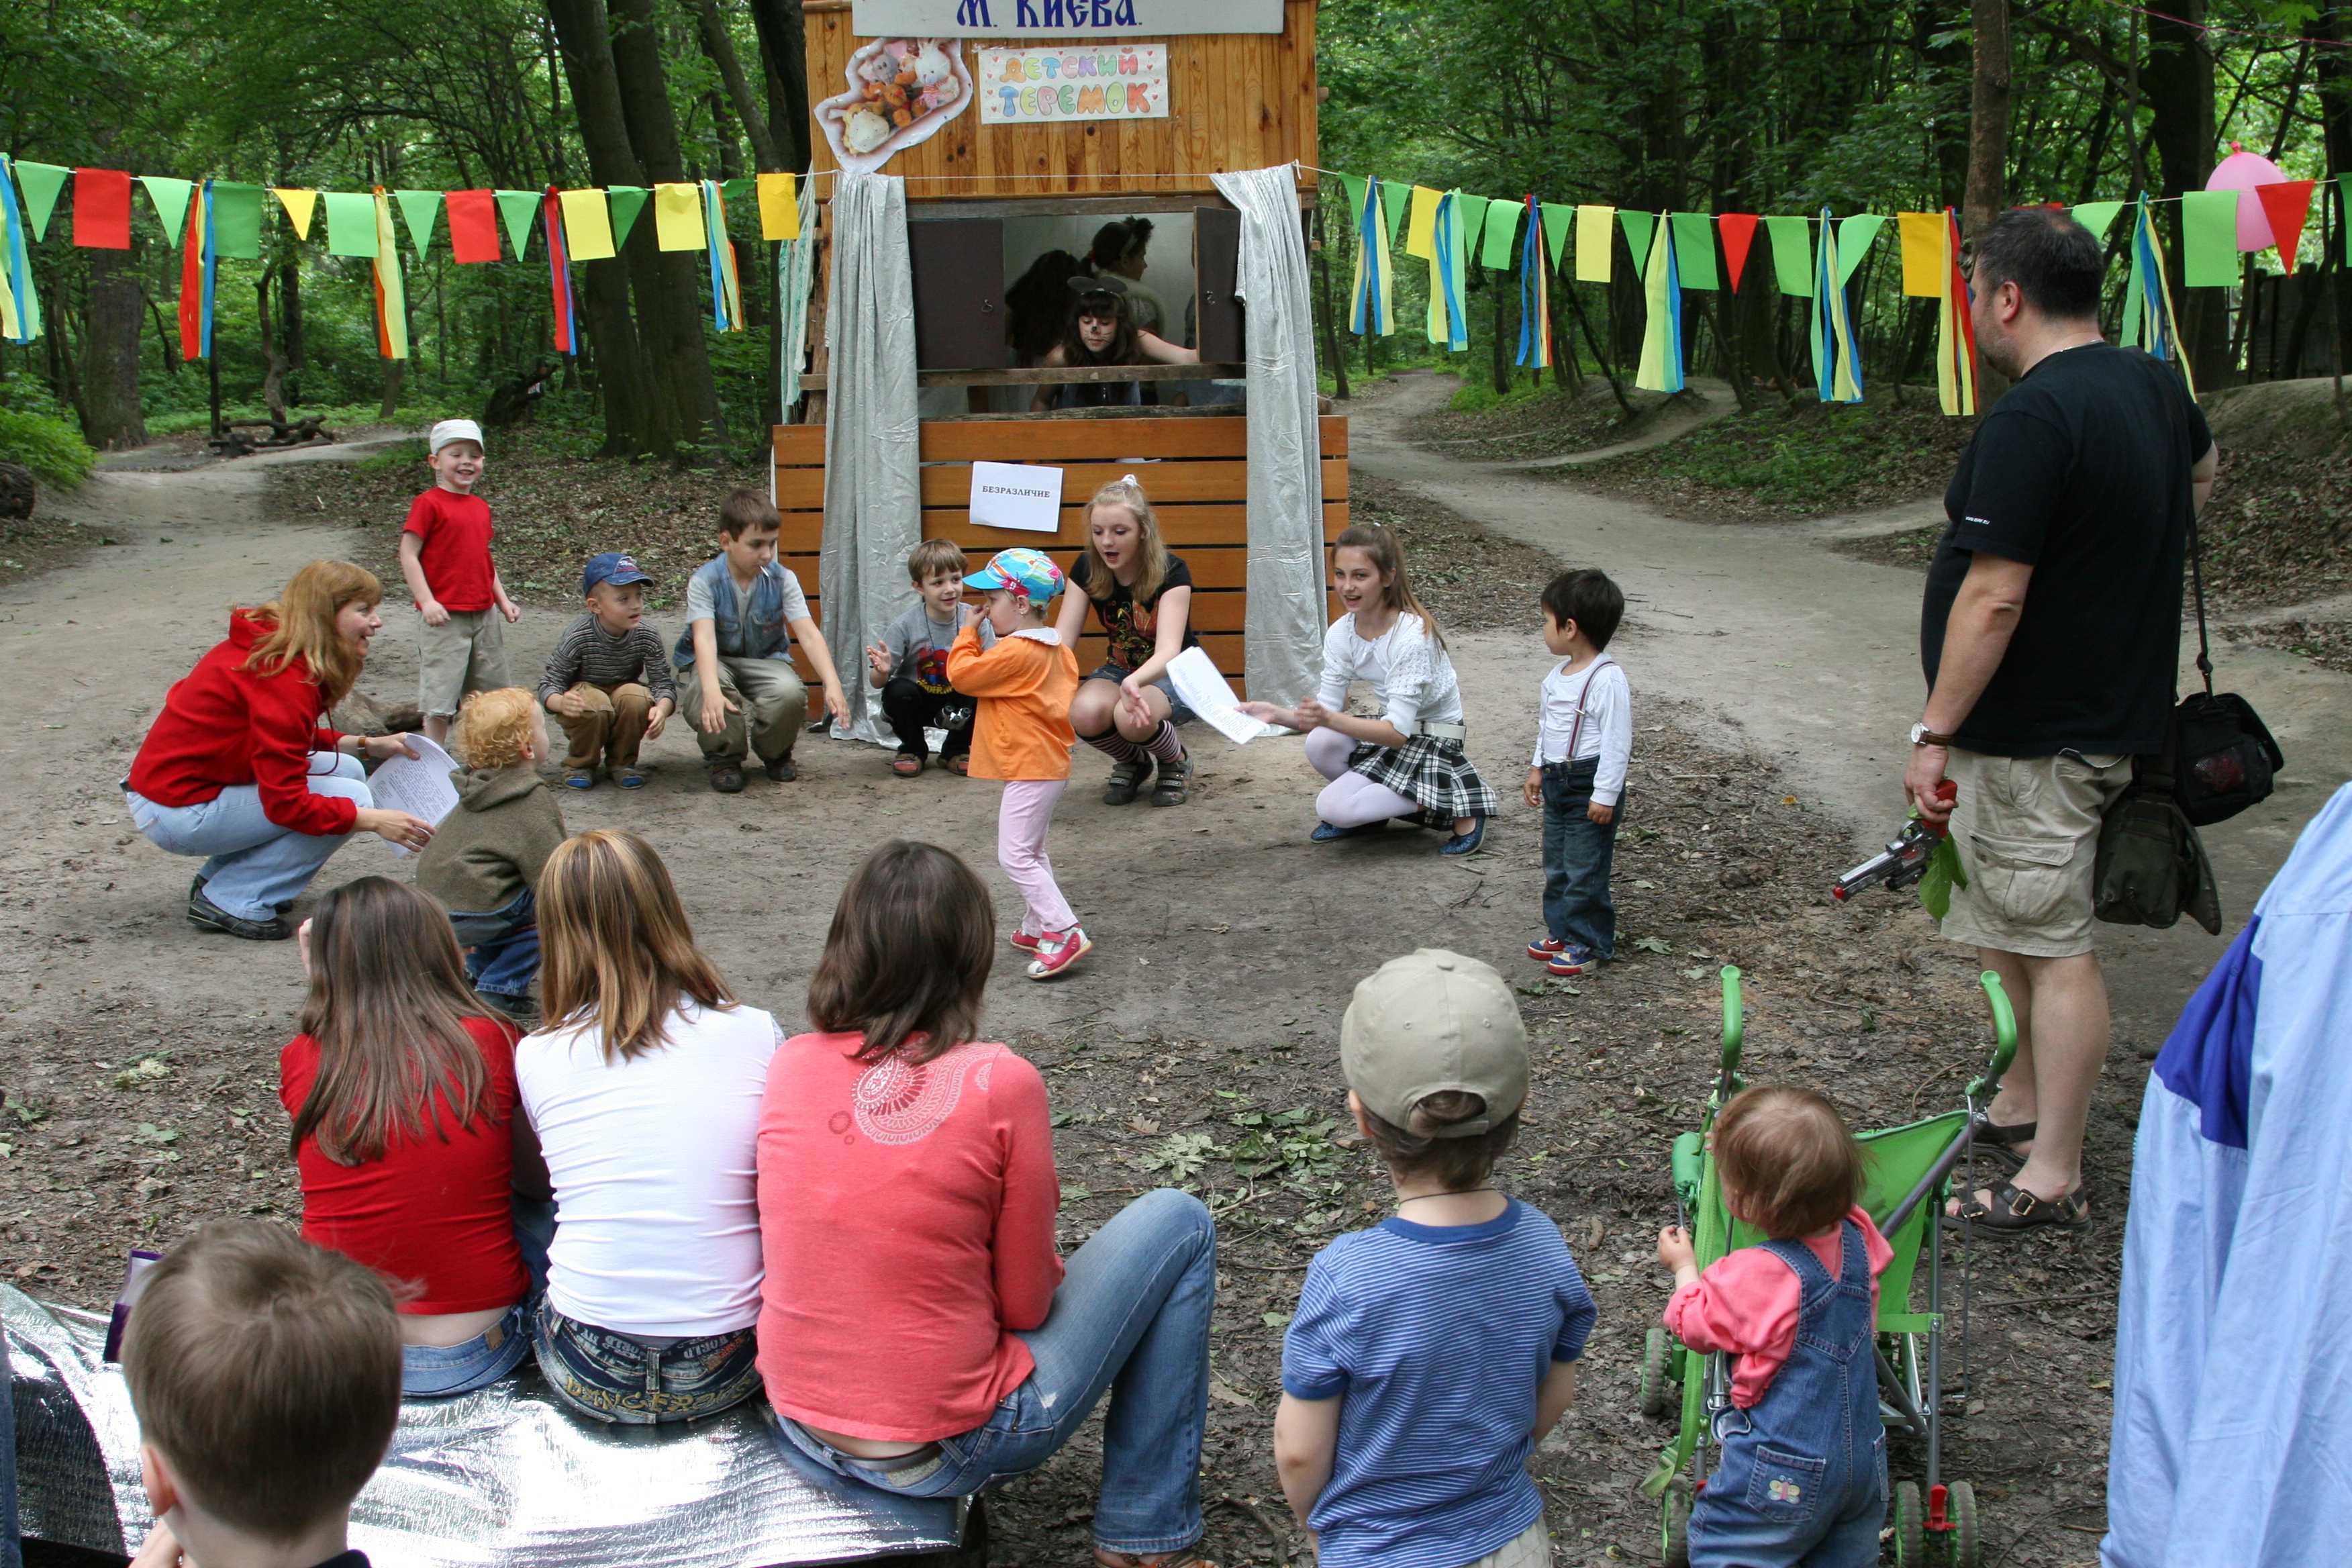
x,y
643,1089
1142,595
1408,762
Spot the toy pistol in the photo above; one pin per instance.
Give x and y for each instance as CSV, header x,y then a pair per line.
x,y
1904,859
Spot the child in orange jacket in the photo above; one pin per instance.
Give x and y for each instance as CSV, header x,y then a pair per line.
x,y
1022,736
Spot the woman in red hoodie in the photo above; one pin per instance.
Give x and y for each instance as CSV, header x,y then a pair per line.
x,y
241,768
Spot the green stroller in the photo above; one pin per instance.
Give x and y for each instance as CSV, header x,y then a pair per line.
x,y
1910,1169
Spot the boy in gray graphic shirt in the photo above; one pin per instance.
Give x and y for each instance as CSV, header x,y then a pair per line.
x,y
911,663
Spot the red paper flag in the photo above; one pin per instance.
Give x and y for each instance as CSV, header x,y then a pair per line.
x,y
103,208
2287,206
192,282
473,224
1739,229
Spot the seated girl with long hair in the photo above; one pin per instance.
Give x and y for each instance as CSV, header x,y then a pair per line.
x,y
919,1331
1100,330
402,1087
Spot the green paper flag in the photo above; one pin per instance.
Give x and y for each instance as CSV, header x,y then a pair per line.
x,y
737,192
1695,250
170,199
1792,255
626,201
1556,221
237,219
420,209
2097,216
1637,227
1351,190
521,210
40,183
2209,239
1472,210
351,223
1396,202
1854,235
1498,253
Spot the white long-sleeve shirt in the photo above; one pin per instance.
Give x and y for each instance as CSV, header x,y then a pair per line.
x,y
1405,669
1588,713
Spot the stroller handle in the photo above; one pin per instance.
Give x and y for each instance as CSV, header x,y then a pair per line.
x,y
2004,1037
1734,1018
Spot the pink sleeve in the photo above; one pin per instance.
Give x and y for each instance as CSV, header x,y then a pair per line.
x,y
1028,1269
1745,1303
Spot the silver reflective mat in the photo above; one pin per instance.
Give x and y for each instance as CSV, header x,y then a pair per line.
x,y
486,1481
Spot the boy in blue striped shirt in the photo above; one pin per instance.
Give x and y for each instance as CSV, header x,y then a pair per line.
x,y
1430,1353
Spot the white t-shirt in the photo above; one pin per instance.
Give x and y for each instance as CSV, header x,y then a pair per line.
x,y
1592,711
656,1192
1409,673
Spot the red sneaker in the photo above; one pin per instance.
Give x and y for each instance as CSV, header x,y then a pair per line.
x,y
1057,951
1024,942
1547,950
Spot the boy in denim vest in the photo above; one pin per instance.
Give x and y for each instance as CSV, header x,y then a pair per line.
x,y
737,686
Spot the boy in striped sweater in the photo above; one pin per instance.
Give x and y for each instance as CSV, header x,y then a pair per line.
x,y
608,681
1432,1352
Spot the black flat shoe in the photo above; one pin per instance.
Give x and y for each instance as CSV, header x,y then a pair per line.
x,y
207,915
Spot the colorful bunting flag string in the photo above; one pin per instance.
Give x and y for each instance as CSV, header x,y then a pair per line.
x,y
1661,367
20,302
725,291
559,272
1535,293
1837,368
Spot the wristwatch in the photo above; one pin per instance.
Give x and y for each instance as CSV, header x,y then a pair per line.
x,y
1922,736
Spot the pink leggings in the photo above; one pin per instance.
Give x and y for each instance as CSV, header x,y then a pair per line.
x,y
1022,820
1349,800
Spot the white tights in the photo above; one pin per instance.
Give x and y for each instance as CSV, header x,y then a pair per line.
x,y
1349,800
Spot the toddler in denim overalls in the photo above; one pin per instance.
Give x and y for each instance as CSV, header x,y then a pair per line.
x,y
1802,1477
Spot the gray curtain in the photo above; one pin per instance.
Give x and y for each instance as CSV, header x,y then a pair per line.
x,y
873,494
1284,629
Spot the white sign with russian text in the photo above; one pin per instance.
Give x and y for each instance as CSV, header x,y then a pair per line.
x,y
1059,18
1107,82
1017,495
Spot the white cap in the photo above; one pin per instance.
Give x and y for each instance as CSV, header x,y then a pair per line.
x,y
450,430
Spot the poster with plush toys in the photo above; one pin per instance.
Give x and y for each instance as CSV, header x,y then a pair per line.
x,y
901,91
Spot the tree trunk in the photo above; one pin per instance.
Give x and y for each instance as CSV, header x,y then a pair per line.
x,y
1334,347
394,372
1988,116
784,49
719,49
111,413
2177,84
676,335
272,398
638,414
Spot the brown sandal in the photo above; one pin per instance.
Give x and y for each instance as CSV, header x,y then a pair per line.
x,y
907,765
2013,1212
960,764
2000,1144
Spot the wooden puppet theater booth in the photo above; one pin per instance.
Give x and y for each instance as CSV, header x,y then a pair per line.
x,y
958,141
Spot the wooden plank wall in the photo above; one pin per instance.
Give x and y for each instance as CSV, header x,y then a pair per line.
x,y
1235,100
1194,470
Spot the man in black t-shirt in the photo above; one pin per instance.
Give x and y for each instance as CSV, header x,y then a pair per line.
x,y
2050,638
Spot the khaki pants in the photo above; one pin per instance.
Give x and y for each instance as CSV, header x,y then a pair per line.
x,y
467,652
2027,832
767,692
610,730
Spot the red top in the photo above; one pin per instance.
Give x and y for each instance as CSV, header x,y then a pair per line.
x,y
1745,1303
224,726
439,1215
906,1221
453,531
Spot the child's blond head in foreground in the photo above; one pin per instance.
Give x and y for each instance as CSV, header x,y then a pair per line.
x,y
500,729
1788,1164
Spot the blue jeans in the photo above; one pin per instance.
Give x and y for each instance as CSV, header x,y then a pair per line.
x,y
1132,1317
1117,673
253,864
432,1371
505,959
631,1381
1577,852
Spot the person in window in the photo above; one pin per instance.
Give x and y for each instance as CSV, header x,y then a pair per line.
x,y
1118,252
1098,331
1037,304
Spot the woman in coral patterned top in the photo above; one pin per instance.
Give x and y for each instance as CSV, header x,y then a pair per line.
x,y
918,1332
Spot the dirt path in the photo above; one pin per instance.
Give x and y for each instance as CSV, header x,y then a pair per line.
x,y
1812,658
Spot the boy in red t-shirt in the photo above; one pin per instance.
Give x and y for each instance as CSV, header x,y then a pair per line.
x,y
445,554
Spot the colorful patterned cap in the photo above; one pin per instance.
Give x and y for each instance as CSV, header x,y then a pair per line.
x,y
1029,573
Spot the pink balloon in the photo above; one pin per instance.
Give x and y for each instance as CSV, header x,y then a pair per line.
x,y
2240,171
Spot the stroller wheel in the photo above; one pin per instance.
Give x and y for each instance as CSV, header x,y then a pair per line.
x,y
1960,1503
1657,1385
1675,1549
1910,1527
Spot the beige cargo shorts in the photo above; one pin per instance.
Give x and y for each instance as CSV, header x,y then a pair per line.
x,y
465,653
2027,832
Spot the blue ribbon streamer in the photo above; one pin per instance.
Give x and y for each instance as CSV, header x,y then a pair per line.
x,y
211,268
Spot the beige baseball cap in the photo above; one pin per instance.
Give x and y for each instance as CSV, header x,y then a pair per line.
x,y
450,430
1433,1021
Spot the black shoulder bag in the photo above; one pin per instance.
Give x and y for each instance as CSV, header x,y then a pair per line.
x,y
2226,756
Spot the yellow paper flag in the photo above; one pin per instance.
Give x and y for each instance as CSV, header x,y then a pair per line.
x,y
780,207
677,217
1924,263
1421,226
1596,229
587,225
300,205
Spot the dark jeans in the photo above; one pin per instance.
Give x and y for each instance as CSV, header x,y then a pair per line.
x,y
909,708
631,1381
1577,852
505,943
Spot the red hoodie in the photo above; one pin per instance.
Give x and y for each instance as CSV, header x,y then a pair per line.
x,y
227,725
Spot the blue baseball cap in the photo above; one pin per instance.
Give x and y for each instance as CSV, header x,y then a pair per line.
x,y
616,567
1029,573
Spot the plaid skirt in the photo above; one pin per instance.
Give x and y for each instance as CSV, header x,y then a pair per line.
x,y
1430,772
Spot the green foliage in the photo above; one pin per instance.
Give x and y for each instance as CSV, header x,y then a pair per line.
x,y
52,449
403,458
1944,873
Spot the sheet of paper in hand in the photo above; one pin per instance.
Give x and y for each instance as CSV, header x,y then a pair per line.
x,y
419,785
1197,681
1017,495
